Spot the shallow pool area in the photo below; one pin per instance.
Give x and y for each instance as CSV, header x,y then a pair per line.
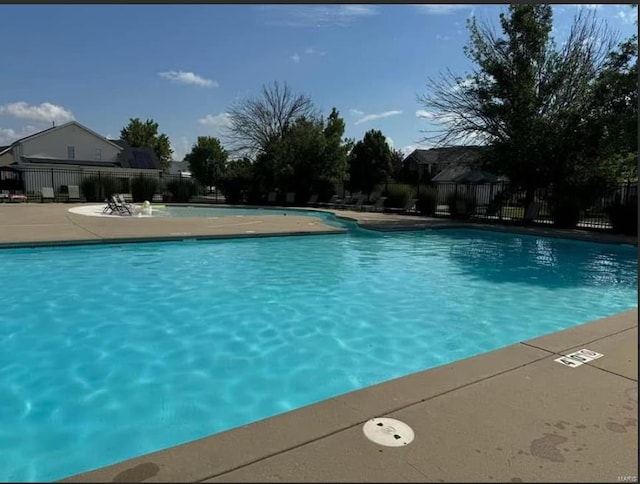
x,y
178,211
118,350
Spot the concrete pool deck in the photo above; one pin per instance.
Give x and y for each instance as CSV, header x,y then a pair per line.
x,y
51,223
510,415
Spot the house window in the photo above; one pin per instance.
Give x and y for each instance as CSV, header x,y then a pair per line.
x,y
98,154
71,152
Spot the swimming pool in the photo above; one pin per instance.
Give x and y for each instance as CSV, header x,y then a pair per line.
x,y
109,352
177,211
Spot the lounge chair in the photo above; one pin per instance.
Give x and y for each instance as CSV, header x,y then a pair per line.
x,y
313,199
120,200
115,207
47,193
409,207
349,200
359,202
291,197
377,206
271,197
4,195
334,201
74,193
532,211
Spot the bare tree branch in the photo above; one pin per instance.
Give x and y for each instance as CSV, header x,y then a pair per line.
x,y
258,122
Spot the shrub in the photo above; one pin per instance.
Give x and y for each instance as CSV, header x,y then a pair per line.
x,y
143,188
398,195
454,199
427,200
98,188
182,189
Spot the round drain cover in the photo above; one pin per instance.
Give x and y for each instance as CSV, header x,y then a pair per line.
x,y
388,431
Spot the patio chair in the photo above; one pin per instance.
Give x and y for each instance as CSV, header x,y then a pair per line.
x,y
349,200
409,207
271,197
47,194
532,212
115,207
74,193
4,195
333,202
291,197
313,199
377,206
120,200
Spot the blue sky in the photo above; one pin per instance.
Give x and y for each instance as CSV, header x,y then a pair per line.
x,y
184,65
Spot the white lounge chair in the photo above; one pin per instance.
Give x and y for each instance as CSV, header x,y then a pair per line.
x,y
74,193
291,197
47,193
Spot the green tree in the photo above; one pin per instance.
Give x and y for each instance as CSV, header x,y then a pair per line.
x,y
238,179
207,160
616,110
337,147
310,155
527,99
370,162
138,134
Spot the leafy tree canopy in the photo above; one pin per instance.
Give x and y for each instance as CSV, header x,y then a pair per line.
x,y
370,161
138,133
207,160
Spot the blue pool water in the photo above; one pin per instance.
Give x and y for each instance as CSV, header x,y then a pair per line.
x,y
109,352
215,212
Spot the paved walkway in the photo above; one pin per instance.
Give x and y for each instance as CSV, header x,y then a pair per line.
x,y
509,415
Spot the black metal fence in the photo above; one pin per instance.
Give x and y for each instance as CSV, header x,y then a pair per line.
x,y
480,202
94,183
497,202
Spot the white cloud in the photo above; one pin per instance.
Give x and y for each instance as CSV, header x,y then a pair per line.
x,y
406,150
181,148
309,50
356,113
421,113
316,15
187,78
217,122
45,112
372,117
441,9
442,37
389,141
8,135
295,58
627,15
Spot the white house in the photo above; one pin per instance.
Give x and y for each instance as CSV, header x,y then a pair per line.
x,y
66,154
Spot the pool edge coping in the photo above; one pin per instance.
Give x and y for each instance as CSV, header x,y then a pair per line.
x,y
224,452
